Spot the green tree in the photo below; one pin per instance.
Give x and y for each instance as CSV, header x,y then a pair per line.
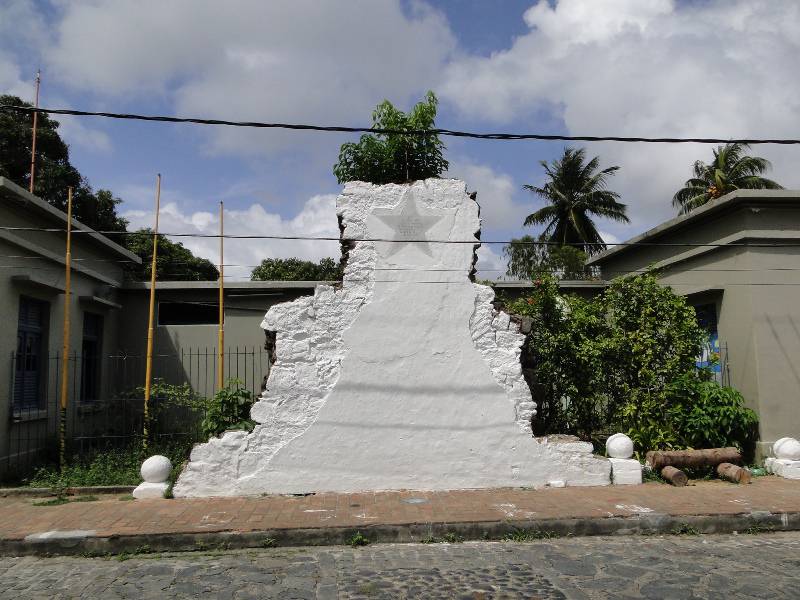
x,y
54,172
295,269
731,169
531,259
174,262
608,362
395,158
576,191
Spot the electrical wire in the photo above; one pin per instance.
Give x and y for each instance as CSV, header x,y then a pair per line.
x,y
418,132
413,241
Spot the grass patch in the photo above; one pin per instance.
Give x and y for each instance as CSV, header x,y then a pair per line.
x,y
126,498
113,466
357,540
757,529
52,501
85,499
529,535
685,529
452,538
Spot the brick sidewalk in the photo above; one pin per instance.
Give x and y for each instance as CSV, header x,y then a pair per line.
x,y
109,517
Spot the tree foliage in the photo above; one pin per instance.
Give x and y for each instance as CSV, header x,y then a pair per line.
x,y
295,269
174,262
54,172
531,259
395,158
576,191
731,169
625,360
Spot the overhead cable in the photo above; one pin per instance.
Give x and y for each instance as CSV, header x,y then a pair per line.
x,y
385,131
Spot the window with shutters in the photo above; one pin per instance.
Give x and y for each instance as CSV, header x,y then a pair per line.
x,y
30,361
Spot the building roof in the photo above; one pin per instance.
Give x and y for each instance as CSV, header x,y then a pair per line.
x,y
723,204
11,192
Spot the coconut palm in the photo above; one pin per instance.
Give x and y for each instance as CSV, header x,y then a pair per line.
x,y
730,170
576,191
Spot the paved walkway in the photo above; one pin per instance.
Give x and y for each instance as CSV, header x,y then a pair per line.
x,y
406,515
715,567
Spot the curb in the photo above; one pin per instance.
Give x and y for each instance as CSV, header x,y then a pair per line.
x,y
88,545
72,491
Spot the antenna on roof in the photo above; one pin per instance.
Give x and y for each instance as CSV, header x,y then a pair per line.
x,y
33,131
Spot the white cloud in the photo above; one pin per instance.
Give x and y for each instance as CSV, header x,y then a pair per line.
x,y
287,61
75,132
491,265
317,218
652,68
495,194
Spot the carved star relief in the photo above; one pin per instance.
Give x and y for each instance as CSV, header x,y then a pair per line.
x,y
409,227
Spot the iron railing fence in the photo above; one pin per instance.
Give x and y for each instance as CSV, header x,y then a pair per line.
x,y
105,400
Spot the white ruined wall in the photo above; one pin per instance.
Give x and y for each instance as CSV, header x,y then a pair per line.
x,y
404,378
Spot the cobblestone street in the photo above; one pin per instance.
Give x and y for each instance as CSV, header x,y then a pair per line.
x,y
685,566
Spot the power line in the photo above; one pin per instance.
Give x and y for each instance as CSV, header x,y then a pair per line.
x,y
421,132
413,241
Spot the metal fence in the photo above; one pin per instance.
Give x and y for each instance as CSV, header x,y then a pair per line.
x,y
105,400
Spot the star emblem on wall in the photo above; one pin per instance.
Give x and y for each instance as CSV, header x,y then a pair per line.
x,y
409,226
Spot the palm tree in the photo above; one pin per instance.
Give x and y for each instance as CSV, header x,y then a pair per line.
x,y
576,191
730,170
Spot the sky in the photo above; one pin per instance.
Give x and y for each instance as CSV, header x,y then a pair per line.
x,y
704,68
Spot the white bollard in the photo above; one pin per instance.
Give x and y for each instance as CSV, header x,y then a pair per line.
x,y
786,462
155,472
624,469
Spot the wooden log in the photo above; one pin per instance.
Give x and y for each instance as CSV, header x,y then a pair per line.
x,y
733,473
675,476
658,459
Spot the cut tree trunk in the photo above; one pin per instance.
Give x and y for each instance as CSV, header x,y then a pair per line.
x,y
658,459
733,473
675,476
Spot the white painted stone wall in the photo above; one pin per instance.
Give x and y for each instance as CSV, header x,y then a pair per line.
x,y
405,377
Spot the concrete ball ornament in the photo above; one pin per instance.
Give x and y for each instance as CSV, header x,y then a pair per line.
x,y
619,445
156,469
787,448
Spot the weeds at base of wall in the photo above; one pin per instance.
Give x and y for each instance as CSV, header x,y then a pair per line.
x,y
357,539
529,535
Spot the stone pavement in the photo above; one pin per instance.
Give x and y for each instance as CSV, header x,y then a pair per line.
x,y
714,567
111,525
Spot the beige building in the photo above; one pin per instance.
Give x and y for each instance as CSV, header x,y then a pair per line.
x,y
108,333
32,283
737,260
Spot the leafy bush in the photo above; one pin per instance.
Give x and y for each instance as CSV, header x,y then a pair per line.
x,y
626,361
705,414
228,409
115,466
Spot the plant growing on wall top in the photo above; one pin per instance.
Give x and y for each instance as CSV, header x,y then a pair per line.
x,y
229,409
395,158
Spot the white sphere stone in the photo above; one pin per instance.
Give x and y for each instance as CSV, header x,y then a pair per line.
x,y
787,448
156,469
619,445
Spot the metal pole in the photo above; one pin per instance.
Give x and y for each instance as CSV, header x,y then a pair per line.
x,y
33,134
221,336
149,357
62,439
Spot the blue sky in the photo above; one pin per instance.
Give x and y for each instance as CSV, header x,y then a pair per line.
x,y
628,67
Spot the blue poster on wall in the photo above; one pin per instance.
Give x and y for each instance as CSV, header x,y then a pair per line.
x,y
709,357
